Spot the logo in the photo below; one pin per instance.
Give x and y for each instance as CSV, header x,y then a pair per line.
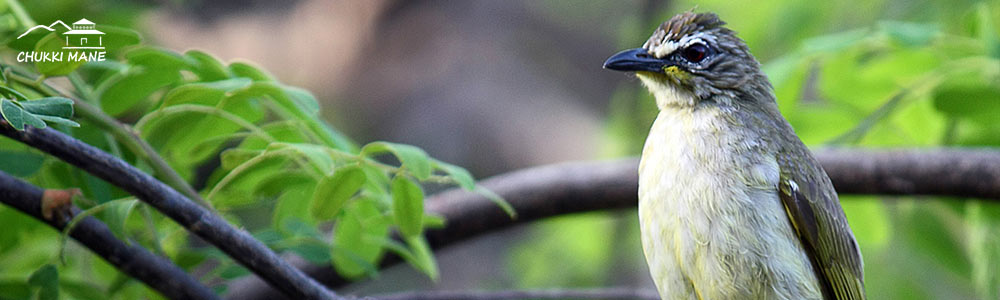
x,y
81,43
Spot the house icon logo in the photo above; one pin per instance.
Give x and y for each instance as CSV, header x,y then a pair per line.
x,y
83,35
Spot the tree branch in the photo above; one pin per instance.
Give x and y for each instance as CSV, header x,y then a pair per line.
x,y
956,172
236,243
157,272
551,190
606,294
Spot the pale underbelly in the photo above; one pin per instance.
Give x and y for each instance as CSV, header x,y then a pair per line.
x,y
695,252
712,229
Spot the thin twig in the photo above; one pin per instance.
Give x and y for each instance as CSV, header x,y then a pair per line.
x,y
236,243
155,271
604,293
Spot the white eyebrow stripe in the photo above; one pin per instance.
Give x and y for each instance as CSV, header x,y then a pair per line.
x,y
665,49
669,46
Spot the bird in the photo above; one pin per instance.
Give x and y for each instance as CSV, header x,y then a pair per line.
x,y
732,204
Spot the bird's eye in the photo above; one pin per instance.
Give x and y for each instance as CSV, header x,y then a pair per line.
x,y
695,52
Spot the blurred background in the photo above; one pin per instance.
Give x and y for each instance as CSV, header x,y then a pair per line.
x,y
500,85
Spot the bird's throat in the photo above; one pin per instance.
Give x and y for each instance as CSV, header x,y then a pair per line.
x,y
667,89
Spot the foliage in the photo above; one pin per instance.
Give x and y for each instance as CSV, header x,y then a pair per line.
x,y
255,146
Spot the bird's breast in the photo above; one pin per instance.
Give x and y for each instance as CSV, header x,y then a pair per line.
x,y
711,221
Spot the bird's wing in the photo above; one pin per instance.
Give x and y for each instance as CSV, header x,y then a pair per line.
x,y
816,215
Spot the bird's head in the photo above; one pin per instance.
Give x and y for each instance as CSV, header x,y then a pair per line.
x,y
692,58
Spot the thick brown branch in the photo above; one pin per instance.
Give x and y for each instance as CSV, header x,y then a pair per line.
x,y
973,173
552,190
156,272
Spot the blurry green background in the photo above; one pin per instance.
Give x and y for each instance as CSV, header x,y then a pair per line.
x,y
501,85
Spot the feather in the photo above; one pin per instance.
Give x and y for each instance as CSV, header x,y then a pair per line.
x,y
815,214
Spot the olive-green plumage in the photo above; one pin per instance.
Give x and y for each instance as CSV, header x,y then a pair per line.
x,y
732,205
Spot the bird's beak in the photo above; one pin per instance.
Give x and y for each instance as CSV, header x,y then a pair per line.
x,y
635,60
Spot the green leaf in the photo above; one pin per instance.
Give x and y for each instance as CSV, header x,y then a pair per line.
x,y
968,97
303,99
115,219
242,69
909,34
290,131
279,93
834,42
355,248
297,104
46,279
81,290
207,67
284,182
12,114
47,275
179,129
231,158
17,117
59,120
408,206
294,188
27,42
15,288
296,228
352,265
33,112
419,257
423,257
332,192
50,106
52,43
158,58
312,251
137,85
398,248
237,186
117,213
986,30
434,221
205,93
315,155
233,271
20,164
12,93
333,137
412,158
378,180
117,38
499,201
458,174
186,136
